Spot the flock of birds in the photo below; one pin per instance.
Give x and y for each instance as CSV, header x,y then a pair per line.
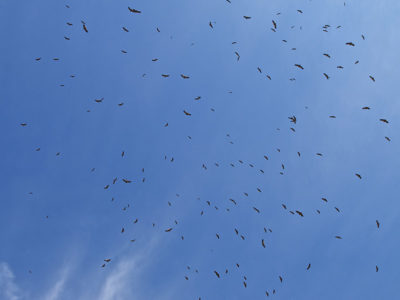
x,y
231,203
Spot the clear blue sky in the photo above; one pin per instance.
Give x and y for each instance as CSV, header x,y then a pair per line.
x,y
58,222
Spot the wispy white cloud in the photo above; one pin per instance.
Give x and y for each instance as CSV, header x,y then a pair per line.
x,y
8,288
120,281
56,291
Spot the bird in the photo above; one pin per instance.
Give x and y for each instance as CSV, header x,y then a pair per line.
x,y
168,230
134,10
350,44
263,243
186,113
247,17
184,76
377,223
299,66
238,56
326,76
85,28
217,274
125,29
384,121
293,119
309,266
358,175
274,23
211,25
372,78
126,180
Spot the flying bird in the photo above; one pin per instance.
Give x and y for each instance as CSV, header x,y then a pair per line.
x,y
134,10
238,56
299,66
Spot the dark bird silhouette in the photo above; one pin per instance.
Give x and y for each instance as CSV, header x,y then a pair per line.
x,y
134,10
309,266
293,119
186,113
299,66
238,56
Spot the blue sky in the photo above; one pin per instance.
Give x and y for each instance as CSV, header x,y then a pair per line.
x,y
58,223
